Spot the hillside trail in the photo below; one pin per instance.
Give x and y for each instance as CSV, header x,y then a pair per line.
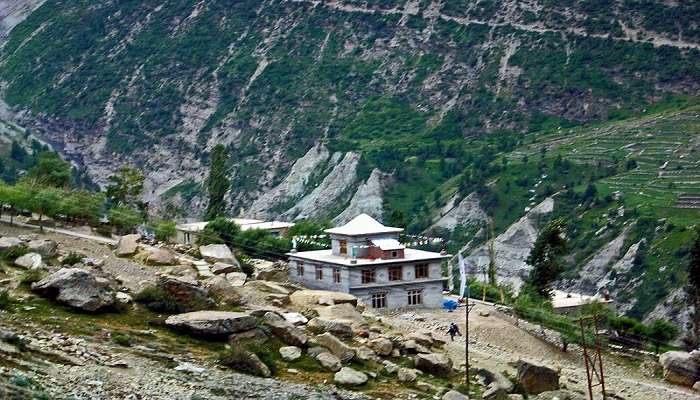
x,y
495,341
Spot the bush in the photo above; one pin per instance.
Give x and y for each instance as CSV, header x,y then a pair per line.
x,y
73,258
31,276
104,230
164,230
122,339
13,253
159,300
6,300
246,266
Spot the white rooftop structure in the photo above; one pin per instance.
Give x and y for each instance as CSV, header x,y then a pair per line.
x,y
244,223
361,225
562,300
326,256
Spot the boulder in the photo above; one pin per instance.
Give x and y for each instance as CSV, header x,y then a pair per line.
x,y
10,243
77,288
454,395
696,386
290,353
335,346
364,353
329,361
223,268
422,338
496,378
349,377
310,298
160,256
269,271
185,291
680,368
248,362
47,248
313,352
407,375
536,378
381,346
254,335
28,237
123,298
338,328
127,245
285,331
267,287
222,289
494,392
237,279
30,261
295,318
390,367
434,363
212,323
344,312
219,253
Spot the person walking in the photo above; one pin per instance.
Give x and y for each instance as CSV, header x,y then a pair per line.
x,y
453,330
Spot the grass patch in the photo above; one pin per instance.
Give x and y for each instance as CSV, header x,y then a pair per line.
x,y
73,258
6,301
159,300
31,276
123,339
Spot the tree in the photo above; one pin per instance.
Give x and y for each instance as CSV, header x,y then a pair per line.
x,y
544,258
125,219
50,170
164,230
126,187
219,230
660,332
397,219
44,201
217,183
17,152
693,288
83,206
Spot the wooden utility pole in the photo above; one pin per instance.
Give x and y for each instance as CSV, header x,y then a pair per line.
x,y
467,310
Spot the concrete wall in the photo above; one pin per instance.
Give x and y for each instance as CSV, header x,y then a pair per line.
x,y
397,296
327,283
180,237
382,273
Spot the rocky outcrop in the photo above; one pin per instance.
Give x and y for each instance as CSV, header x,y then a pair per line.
x,y
512,248
595,269
407,375
290,353
467,212
77,288
328,192
329,361
47,248
312,298
366,200
285,331
212,323
337,328
434,363
160,256
349,377
128,245
536,378
293,185
185,292
218,253
12,12
381,346
680,367
454,395
8,243
344,352
672,308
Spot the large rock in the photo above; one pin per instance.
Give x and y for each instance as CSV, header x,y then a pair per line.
x,y
382,346
128,245
312,298
295,318
30,261
219,253
212,323
536,378
407,375
284,330
247,361
290,353
496,378
77,288
559,395
223,290
329,361
422,338
349,377
364,353
268,271
10,243
454,395
223,268
267,287
680,368
335,346
237,279
434,363
160,256
186,292
45,247
494,392
338,328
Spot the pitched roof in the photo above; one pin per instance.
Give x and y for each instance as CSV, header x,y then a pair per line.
x,y
388,244
363,224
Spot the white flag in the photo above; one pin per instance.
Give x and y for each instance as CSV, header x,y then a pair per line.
x,y
462,276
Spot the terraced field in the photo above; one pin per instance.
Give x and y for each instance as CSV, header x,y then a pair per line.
x,y
658,156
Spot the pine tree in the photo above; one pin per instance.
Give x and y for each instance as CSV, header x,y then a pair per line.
x,y
217,183
544,258
693,288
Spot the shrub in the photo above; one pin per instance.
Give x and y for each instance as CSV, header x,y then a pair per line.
x,y
13,253
31,276
6,300
104,230
73,258
159,300
164,230
122,339
246,266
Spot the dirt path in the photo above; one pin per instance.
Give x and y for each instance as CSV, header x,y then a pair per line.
x,y
495,341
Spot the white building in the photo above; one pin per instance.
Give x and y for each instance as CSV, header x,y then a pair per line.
x,y
367,260
187,233
571,303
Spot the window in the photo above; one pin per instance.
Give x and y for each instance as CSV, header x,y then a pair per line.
x,y
319,273
395,273
394,254
188,240
343,247
421,271
336,274
368,276
415,297
379,300
300,268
